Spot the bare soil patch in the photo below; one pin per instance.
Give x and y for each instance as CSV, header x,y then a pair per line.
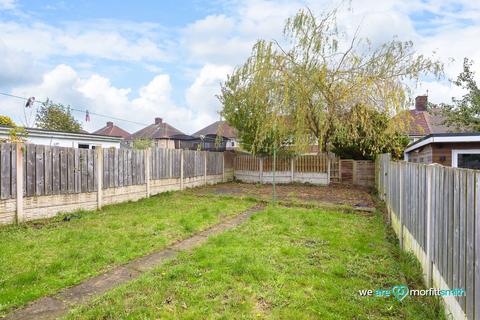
x,y
338,194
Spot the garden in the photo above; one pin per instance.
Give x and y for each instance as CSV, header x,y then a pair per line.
x,y
306,256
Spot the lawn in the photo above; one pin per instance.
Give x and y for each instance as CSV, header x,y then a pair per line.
x,y
284,263
37,259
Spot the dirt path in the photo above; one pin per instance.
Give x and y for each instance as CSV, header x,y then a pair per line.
x,y
55,306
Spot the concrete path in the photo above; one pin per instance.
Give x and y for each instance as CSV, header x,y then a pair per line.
x,y
57,305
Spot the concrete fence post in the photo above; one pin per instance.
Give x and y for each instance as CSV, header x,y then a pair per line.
x,y
205,168
99,164
260,172
429,225
181,169
148,153
292,168
19,165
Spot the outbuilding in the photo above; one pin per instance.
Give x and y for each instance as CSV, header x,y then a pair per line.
x,y
65,139
458,150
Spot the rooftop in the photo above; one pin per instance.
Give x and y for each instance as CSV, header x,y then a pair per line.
x,y
157,130
112,130
221,128
422,121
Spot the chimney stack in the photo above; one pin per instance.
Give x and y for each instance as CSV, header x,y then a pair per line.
x,y
421,103
158,120
109,124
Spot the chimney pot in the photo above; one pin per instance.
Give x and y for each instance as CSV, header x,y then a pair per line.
x,y
158,120
421,103
109,124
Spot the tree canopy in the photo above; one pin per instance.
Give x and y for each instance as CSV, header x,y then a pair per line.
x,y
306,91
57,117
6,121
464,114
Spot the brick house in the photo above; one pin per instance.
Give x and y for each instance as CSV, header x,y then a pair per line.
x,y
164,135
216,130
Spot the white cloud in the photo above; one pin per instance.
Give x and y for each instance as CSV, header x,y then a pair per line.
x,y
210,46
7,4
433,26
97,94
16,66
105,40
201,95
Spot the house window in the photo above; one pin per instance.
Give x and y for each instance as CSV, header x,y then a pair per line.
x,y
469,159
83,146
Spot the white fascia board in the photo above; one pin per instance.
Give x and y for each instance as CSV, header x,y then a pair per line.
x,y
475,138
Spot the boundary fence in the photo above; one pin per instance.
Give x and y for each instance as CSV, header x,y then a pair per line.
x,y
318,169
435,212
39,181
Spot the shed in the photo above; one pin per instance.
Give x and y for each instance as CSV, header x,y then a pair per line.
x,y
459,150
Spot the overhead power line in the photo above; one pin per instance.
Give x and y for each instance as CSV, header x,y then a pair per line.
x,y
77,110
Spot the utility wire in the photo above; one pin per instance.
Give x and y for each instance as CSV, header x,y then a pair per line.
x,y
77,110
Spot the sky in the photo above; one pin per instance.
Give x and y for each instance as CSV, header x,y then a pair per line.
x,y
137,60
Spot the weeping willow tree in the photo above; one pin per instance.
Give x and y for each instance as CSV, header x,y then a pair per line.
x,y
252,99
303,92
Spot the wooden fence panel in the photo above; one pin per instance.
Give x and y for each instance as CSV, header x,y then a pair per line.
x,y
462,220
188,163
455,222
335,168
346,175
450,238
476,249
469,244
51,170
456,229
214,163
7,164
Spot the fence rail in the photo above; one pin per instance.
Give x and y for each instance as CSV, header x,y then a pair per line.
x,y
435,212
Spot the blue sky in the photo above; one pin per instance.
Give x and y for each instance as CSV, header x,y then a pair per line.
x,y
140,59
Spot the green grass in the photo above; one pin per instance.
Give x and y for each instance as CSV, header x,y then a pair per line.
x,y
285,263
40,258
